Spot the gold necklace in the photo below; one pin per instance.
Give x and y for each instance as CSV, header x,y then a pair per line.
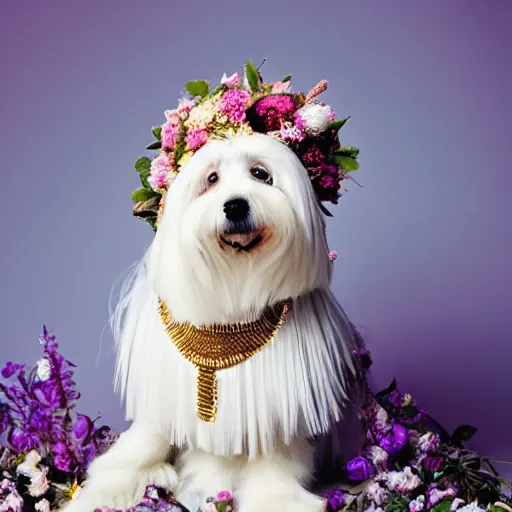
x,y
218,347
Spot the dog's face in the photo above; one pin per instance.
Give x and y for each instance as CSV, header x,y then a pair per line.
x,y
241,228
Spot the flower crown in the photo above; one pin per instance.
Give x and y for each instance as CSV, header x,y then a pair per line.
x,y
244,105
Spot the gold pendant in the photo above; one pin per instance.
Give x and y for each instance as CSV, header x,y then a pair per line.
x,y
218,347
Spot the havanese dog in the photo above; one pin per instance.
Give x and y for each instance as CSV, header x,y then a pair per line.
x,y
232,350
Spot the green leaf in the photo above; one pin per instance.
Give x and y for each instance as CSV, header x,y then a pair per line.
x,y
197,88
157,132
144,178
336,125
287,78
347,163
142,194
463,433
252,76
154,145
143,164
348,151
443,506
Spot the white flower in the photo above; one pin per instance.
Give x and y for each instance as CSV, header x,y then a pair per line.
x,y
456,503
429,442
43,506
376,493
316,117
377,456
11,503
39,484
28,466
403,481
472,507
201,115
417,504
43,370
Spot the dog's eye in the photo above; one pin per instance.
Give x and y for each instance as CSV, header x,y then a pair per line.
x,y
213,178
261,175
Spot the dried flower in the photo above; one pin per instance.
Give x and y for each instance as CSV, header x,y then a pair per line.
x,y
404,481
230,81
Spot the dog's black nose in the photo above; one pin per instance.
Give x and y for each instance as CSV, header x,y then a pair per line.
x,y
236,210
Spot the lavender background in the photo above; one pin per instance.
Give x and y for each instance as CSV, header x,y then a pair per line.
x,y
424,247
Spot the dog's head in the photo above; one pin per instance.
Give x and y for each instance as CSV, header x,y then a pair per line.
x,y
241,229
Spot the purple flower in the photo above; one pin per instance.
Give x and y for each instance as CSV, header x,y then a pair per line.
x,y
335,500
10,369
22,441
394,440
359,469
62,458
396,398
435,495
83,426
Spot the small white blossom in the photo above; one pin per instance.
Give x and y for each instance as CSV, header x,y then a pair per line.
x,y
43,370
472,507
39,484
316,117
43,506
28,466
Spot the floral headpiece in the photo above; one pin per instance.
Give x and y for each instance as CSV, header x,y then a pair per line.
x,y
244,105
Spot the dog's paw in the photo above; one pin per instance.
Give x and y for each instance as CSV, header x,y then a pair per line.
x,y
283,503
120,489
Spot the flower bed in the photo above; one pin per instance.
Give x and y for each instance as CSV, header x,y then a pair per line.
x,y
409,463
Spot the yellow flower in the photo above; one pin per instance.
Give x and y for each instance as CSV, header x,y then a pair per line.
x,y
202,115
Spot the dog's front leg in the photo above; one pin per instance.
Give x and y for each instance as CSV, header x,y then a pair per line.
x,y
202,475
118,478
276,483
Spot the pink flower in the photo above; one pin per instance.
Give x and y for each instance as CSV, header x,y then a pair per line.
x,y
333,255
328,182
274,110
290,133
196,138
435,495
159,171
223,496
229,81
233,103
278,87
185,105
171,129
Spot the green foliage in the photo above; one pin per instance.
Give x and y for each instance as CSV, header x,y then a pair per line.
x,y
143,164
142,194
397,503
347,163
154,145
336,125
442,506
287,78
252,76
197,88
350,151
157,132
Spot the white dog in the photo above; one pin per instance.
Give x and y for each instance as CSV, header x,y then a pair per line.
x,y
241,230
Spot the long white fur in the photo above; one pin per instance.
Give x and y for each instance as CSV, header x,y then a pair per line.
x,y
295,388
